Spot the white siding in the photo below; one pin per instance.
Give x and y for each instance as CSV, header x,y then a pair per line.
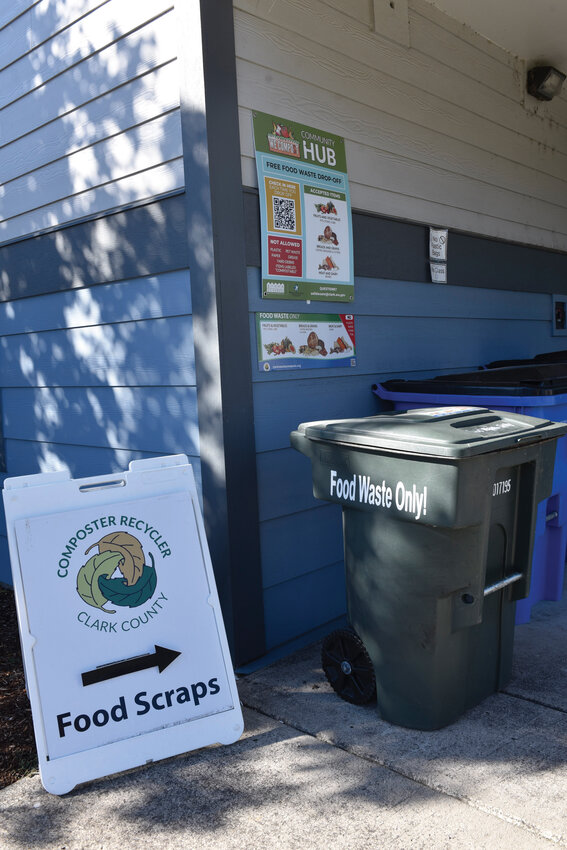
x,y
438,132
89,110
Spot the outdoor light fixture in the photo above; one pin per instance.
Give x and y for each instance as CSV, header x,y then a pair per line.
x,y
544,82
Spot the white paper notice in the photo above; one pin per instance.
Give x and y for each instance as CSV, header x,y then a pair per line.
x,y
438,240
438,272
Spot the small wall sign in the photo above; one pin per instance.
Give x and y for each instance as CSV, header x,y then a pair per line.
x,y
438,241
123,641
305,341
438,272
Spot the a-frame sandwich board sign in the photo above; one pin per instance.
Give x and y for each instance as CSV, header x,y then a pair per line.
x,y
123,640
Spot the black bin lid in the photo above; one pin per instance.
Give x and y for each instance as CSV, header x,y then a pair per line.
x,y
534,376
453,432
543,379
544,357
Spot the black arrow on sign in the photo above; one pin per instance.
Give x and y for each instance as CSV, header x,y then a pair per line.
x,y
161,659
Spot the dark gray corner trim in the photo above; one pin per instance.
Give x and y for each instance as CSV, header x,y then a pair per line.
x,y
140,241
220,318
397,250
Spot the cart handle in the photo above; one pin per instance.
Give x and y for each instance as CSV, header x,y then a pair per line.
x,y
493,588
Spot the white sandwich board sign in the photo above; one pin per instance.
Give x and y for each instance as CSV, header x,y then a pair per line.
x,y
124,646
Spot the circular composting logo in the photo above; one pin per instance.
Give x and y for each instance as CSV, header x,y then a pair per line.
x,y
116,574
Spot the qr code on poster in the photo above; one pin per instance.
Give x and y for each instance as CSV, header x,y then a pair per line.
x,y
284,213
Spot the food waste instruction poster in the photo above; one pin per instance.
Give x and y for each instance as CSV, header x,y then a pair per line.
x,y
304,341
305,212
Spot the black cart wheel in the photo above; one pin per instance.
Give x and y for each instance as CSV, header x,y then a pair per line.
x,y
348,667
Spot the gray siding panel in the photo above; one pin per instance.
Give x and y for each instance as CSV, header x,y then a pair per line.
x,y
436,124
90,112
94,377
32,23
11,11
141,241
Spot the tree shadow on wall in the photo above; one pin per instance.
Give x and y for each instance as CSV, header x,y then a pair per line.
x,y
96,329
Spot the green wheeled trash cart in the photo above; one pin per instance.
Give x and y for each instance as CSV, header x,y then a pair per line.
x,y
439,509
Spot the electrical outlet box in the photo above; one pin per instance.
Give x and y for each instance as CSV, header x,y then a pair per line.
x,y
559,316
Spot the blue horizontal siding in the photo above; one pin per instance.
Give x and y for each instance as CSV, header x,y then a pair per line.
x,y
280,407
144,353
13,10
151,419
284,483
125,301
94,378
301,543
300,605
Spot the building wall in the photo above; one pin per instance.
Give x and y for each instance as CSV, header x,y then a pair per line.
x,y
96,330
86,375
89,106
108,338
93,378
436,125
437,132
96,318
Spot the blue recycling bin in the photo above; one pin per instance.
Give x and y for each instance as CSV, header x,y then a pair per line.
x,y
535,390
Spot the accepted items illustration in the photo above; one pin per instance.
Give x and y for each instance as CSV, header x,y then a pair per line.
x,y
305,212
304,341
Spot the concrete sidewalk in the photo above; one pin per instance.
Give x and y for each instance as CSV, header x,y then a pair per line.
x,y
313,771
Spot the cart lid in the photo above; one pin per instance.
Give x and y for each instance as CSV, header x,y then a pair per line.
x,y
544,357
534,376
453,432
541,379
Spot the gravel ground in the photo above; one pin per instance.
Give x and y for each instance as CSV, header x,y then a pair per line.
x,y
17,747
